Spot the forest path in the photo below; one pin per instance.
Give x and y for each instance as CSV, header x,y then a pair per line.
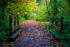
x,y
35,35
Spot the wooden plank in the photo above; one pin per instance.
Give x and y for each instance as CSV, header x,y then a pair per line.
x,y
14,36
10,25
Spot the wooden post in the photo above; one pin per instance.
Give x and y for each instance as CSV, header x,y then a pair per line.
x,y
56,21
61,24
17,21
10,27
52,21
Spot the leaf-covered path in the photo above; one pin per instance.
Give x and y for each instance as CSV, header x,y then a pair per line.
x,y
35,35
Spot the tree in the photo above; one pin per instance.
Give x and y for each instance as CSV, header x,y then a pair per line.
x,y
23,7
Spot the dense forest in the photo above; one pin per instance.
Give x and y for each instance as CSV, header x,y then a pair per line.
x,y
54,13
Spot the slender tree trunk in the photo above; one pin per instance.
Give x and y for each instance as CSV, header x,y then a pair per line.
x,y
25,17
55,7
55,12
47,6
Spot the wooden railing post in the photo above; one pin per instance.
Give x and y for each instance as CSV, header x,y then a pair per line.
x,y
10,27
62,23
56,21
18,21
52,21
15,23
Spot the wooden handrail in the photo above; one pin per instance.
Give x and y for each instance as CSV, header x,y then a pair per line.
x,y
15,35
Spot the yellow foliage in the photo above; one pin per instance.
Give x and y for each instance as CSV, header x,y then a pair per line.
x,y
31,4
25,13
28,1
24,6
18,13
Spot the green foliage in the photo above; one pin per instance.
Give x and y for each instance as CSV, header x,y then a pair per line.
x,y
4,21
23,7
60,8
42,11
36,9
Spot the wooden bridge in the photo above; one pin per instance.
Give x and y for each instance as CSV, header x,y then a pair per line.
x,y
32,34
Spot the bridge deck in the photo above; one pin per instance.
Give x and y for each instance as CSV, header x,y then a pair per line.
x,y
34,35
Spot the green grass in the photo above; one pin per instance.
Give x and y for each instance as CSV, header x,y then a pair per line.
x,y
22,19
44,22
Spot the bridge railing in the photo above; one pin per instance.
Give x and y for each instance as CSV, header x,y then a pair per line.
x,y
14,28
58,28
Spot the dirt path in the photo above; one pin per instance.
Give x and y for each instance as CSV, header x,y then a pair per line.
x,y
35,35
